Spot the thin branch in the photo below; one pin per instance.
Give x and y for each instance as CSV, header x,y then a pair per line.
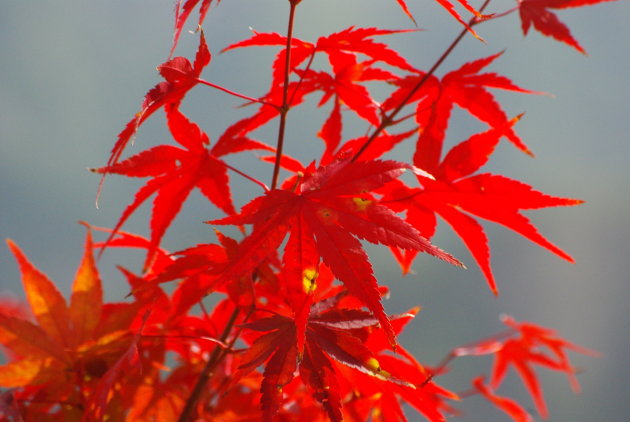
x,y
306,69
215,358
236,94
284,109
248,177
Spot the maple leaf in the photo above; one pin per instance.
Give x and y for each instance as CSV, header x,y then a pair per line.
x,y
456,195
335,204
345,87
537,12
175,172
70,340
535,345
464,87
331,333
349,40
341,49
373,402
359,40
180,77
202,269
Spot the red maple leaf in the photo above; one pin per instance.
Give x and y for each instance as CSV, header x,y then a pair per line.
x,y
331,207
464,87
175,172
180,76
370,401
341,49
332,334
457,195
537,12
349,40
345,85
535,345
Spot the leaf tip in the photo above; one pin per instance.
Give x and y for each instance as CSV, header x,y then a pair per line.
x,y
11,244
419,172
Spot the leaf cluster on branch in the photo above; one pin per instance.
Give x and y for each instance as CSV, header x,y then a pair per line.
x,y
299,331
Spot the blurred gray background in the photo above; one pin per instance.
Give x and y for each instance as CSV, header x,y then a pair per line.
x,y
74,72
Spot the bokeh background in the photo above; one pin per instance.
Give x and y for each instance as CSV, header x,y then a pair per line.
x,y
72,73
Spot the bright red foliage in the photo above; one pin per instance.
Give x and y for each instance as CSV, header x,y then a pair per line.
x,y
534,345
298,330
329,207
456,195
537,12
176,172
180,76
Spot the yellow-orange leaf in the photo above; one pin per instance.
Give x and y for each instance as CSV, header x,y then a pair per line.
x,y
28,371
47,303
26,339
112,344
86,302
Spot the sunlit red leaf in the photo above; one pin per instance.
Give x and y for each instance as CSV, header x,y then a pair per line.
x,y
332,335
537,13
523,348
464,87
334,205
175,173
180,77
457,197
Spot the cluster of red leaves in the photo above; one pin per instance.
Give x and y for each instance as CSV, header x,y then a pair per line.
x,y
325,357
521,347
299,331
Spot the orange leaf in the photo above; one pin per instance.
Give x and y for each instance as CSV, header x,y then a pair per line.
x,y
47,303
29,371
87,296
24,338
